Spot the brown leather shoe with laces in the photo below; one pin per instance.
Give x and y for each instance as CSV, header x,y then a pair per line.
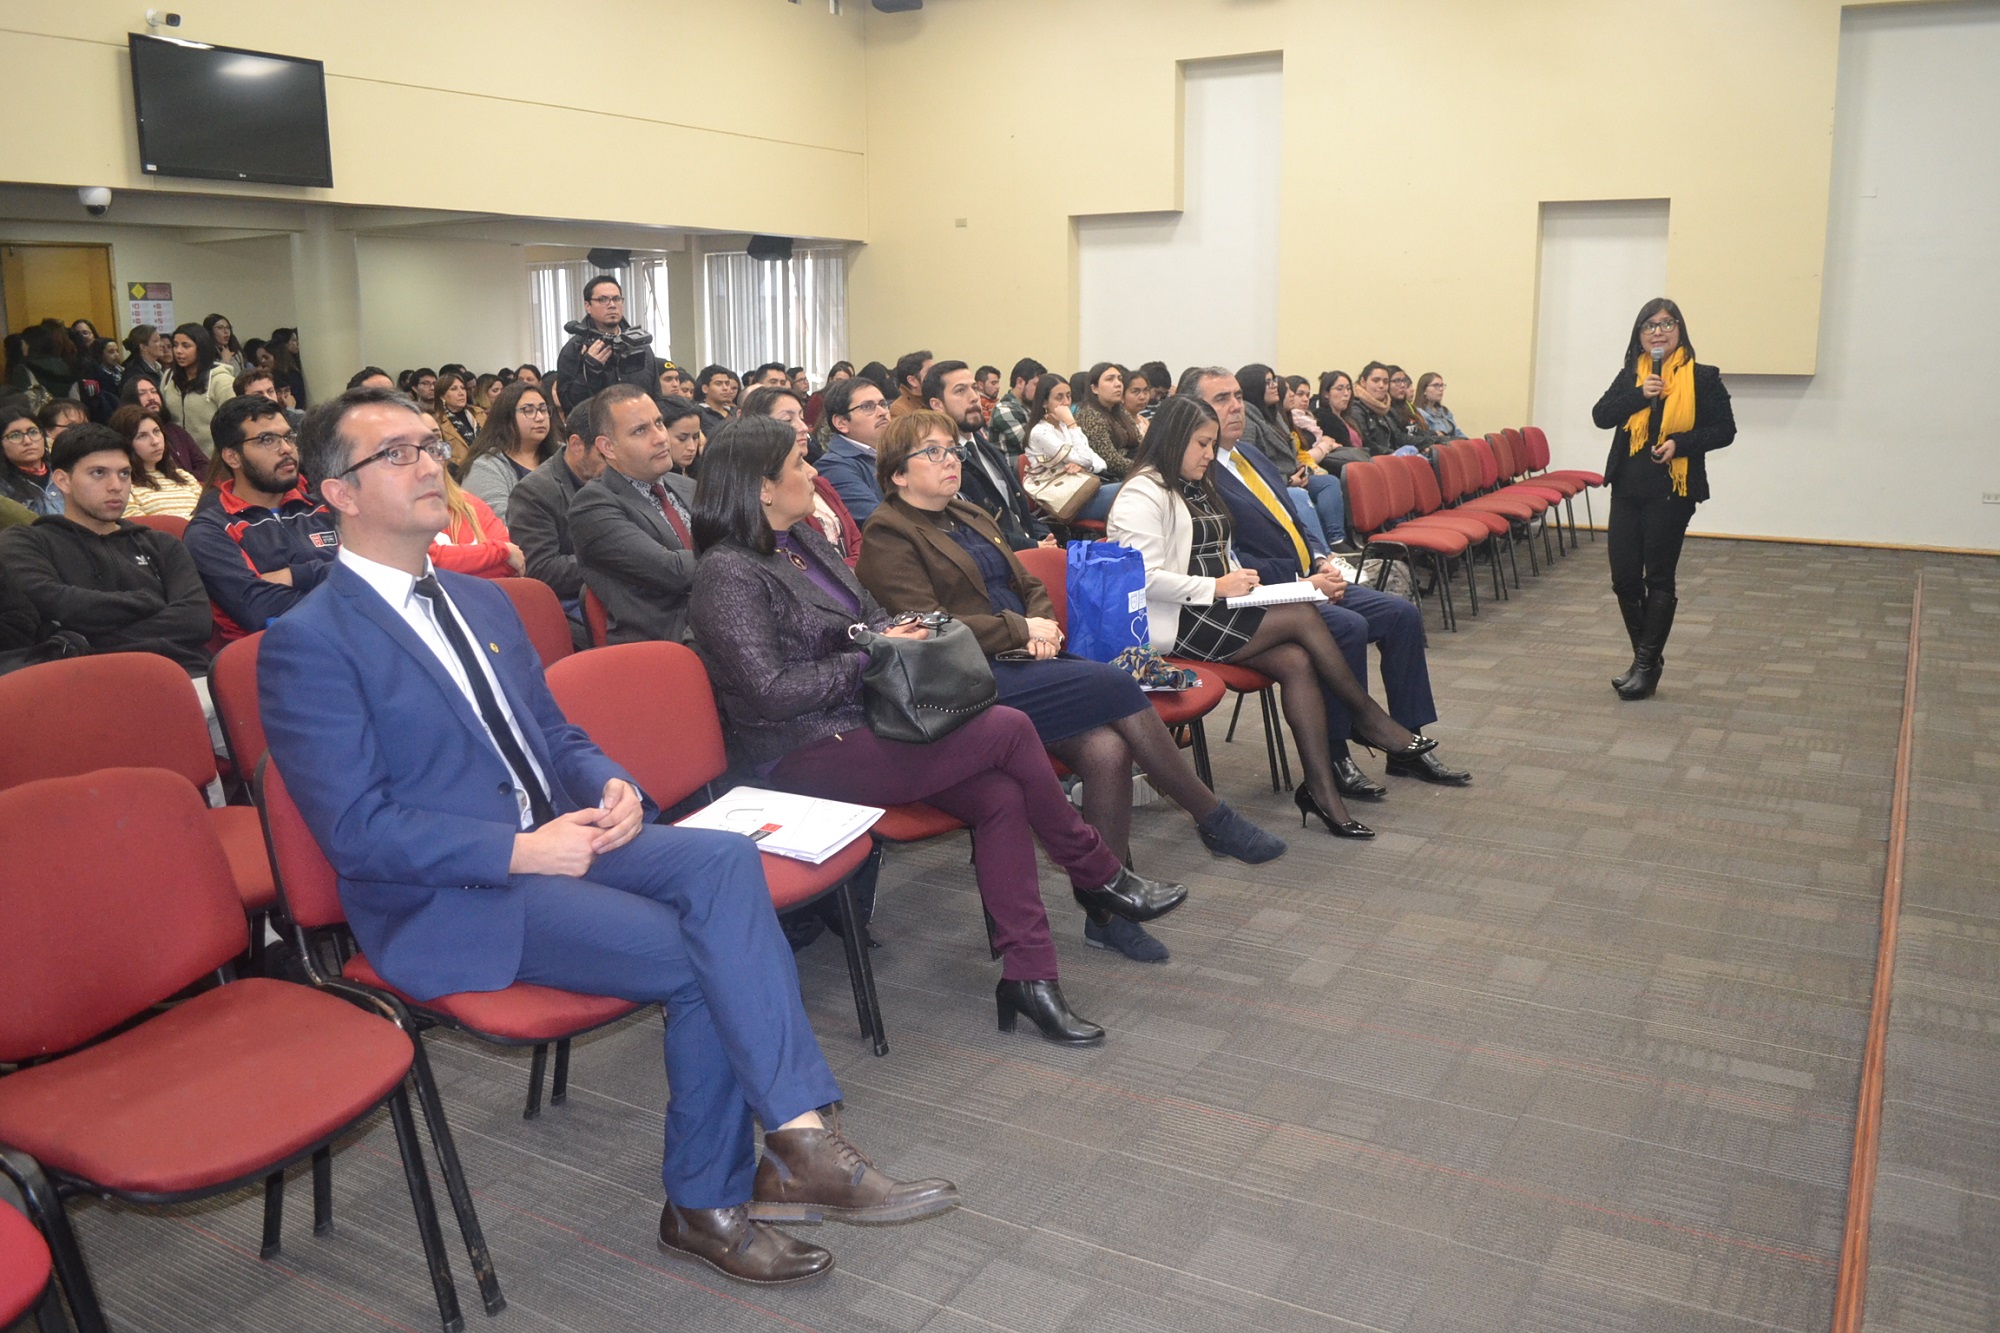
x,y
736,1245
813,1175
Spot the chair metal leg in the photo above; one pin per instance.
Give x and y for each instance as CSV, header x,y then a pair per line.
x,y
559,1085
538,1065
1270,736
425,1206
274,1215
45,1209
1235,713
1528,540
322,1191
49,1317
1588,516
1277,725
860,974
1199,735
1471,584
455,1187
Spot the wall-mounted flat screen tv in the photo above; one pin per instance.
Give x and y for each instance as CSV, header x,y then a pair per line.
x,y
218,113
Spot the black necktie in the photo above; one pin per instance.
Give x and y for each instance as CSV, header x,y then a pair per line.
x,y
489,705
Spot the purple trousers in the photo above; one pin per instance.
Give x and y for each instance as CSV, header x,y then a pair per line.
x,y
994,774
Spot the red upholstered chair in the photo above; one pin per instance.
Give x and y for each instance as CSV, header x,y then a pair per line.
x,y
118,897
232,685
1183,711
24,1273
596,618
127,710
1453,469
1482,474
521,1015
1428,509
1512,454
1379,493
542,615
172,524
649,706
1537,442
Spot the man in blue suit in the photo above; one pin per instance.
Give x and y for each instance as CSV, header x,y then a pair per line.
x,y
1269,539
482,840
856,414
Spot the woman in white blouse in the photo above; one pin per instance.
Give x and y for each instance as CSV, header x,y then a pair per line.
x,y
1057,444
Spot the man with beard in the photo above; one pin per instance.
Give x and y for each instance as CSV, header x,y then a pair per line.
x,y
988,479
260,540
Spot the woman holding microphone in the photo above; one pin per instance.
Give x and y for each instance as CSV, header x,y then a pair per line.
x,y
1669,413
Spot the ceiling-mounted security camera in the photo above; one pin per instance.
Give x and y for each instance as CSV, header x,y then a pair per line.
x,y
160,18
96,200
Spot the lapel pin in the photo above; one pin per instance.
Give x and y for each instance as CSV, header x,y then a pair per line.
x,y
494,646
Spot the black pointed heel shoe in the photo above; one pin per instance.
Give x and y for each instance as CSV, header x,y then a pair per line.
x,y
1343,828
1043,1003
1418,745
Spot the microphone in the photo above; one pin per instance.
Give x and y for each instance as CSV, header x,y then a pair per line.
x,y
1659,355
1659,404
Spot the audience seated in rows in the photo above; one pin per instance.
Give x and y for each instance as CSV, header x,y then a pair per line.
x,y
771,607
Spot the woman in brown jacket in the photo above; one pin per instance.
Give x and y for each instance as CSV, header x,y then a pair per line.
x,y
925,550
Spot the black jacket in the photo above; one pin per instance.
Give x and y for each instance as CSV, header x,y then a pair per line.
x,y
632,558
538,520
1714,425
133,590
1007,504
579,379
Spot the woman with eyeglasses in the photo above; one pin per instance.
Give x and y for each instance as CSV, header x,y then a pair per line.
x,y
24,471
519,435
772,607
1437,418
924,550
1667,413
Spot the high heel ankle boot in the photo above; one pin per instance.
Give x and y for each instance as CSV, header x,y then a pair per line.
x,y
1343,828
1043,1003
1227,833
1133,896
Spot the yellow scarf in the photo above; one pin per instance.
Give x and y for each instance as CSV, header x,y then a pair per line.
x,y
1675,417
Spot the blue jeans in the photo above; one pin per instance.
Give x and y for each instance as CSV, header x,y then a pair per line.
x,y
1099,507
1308,516
1330,503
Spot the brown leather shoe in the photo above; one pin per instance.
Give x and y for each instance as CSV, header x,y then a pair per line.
x,y
811,1175
735,1245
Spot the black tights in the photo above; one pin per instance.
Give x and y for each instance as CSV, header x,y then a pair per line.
x,y
1103,758
1294,647
1644,542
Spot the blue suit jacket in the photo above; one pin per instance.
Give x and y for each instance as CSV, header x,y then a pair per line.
x,y
399,779
1260,543
852,474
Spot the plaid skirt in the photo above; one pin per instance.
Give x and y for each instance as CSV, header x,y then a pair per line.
x,y
1216,632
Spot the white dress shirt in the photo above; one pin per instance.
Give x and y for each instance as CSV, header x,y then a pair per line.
x,y
399,591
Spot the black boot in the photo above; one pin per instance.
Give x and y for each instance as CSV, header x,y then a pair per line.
x,y
1645,677
1634,611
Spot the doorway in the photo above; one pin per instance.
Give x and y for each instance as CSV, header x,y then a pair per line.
x,y
65,282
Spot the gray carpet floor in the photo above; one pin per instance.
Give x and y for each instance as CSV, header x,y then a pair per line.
x,y
1575,1048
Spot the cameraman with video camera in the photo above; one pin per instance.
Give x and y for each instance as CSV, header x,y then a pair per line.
x,y
603,349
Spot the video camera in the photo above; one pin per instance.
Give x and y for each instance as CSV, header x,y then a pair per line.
x,y
630,347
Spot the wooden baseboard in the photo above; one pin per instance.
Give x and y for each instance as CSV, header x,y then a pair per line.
x,y
1821,541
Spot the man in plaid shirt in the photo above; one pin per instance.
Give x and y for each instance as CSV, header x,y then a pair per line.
x,y
1008,427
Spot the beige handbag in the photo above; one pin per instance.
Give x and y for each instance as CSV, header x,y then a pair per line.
x,y
1062,495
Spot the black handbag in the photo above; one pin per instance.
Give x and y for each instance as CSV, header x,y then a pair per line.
x,y
921,690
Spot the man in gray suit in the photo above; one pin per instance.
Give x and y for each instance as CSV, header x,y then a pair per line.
x,y
632,526
538,516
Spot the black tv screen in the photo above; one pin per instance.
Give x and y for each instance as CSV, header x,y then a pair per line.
x,y
218,113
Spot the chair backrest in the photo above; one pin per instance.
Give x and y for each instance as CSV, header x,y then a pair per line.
x,y
172,524
116,895
118,710
1481,453
1050,564
1506,469
596,618
1452,466
1367,486
649,706
232,684
1537,441
542,615
1402,495
308,888
1424,480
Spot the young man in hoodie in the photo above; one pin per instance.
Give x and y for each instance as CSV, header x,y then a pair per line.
x,y
123,587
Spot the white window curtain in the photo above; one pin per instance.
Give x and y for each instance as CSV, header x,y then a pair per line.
x,y
793,310
555,292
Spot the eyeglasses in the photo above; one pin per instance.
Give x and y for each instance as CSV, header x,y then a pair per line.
x,y
605,300
271,439
937,454
872,405
1660,326
22,436
533,409
403,454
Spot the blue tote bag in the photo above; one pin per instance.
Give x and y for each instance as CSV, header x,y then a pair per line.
x,y
1107,600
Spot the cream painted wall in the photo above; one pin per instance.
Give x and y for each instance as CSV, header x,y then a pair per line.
x,y
249,280
1415,171
425,302
780,150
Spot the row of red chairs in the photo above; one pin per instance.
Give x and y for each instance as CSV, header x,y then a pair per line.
x,y
1479,496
